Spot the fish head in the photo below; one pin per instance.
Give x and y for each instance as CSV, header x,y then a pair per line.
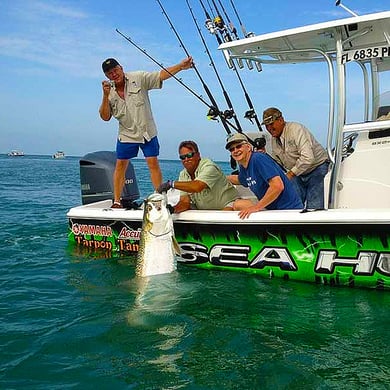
x,y
156,208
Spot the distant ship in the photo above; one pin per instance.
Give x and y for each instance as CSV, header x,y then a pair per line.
x,y
16,153
59,154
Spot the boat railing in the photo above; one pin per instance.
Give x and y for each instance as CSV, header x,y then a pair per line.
x,y
364,126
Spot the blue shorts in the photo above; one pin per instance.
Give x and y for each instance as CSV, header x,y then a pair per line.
x,y
126,150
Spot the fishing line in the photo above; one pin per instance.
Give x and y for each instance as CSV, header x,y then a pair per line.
x,y
230,113
214,110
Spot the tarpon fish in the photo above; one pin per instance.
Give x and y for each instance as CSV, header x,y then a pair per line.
x,y
158,245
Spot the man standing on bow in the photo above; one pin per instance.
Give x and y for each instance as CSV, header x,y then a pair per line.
x,y
305,160
125,96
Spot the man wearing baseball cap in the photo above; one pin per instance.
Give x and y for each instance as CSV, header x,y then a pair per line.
x,y
263,176
125,97
296,149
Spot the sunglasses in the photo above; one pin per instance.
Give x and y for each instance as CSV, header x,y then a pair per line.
x,y
239,146
187,155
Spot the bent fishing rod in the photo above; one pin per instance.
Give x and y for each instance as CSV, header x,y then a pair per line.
x,y
251,113
213,110
225,94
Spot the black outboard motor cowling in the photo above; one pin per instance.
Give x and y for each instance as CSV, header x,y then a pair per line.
x,y
96,178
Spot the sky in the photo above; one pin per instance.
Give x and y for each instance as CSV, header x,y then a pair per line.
x,y
50,63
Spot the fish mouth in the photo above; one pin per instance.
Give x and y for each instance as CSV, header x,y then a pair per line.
x,y
155,197
157,200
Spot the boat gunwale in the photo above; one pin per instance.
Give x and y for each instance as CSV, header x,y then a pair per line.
x,y
102,211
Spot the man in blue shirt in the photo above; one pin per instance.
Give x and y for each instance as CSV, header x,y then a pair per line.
x,y
263,176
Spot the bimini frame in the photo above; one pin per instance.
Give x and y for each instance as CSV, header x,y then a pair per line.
x,y
361,39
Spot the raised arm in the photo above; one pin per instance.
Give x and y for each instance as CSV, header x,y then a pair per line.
x,y
105,109
172,70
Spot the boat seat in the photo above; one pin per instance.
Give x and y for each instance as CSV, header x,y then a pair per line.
x,y
384,113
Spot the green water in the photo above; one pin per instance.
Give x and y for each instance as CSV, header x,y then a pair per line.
x,y
69,321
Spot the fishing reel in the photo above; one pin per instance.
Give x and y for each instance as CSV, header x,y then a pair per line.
x,y
213,114
259,143
210,26
250,114
228,114
219,23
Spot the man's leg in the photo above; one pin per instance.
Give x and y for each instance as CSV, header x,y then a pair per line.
x,y
119,178
315,187
155,171
300,187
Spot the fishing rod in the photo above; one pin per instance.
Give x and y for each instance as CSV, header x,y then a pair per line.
x,y
217,23
224,31
230,113
213,111
251,113
211,8
205,87
232,28
220,26
211,26
243,29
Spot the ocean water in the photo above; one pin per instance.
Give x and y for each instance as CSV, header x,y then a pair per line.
x,y
69,322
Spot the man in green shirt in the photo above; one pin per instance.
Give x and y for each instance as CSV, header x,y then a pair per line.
x,y
202,184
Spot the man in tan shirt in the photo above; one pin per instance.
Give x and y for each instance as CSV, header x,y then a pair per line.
x,y
305,160
125,97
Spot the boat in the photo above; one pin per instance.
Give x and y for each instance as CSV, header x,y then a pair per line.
x,y
59,154
347,243
16,153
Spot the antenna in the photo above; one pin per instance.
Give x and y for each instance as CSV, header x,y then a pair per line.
x,y
338,3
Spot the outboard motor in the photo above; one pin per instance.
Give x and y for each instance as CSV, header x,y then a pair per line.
x,y
96,178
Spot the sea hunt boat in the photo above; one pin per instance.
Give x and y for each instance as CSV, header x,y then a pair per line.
x,y
348,244
59,154
16,153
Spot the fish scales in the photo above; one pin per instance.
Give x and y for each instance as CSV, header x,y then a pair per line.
x,y
156,253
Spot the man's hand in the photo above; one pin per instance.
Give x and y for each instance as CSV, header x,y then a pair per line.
x,y
164,187
243,214
106,87
187,63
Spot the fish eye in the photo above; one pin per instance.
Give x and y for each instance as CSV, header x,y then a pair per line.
x,y
156,204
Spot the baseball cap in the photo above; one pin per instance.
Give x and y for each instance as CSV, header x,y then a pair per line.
x,y
237,137
109,64
270,115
